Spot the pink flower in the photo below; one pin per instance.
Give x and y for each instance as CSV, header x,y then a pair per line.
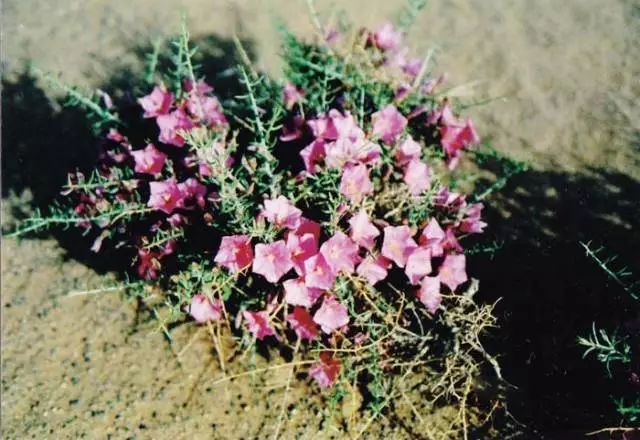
x,y
388,123
416,176
418,265
282,213
340,252
402,91
308,227
292,95
374,269
442,115
318,273
471,223
312,155
156,103
165,196
201,87
326,371
448,199
450,242
429,293
302,323
258,323
412,67
453,271
202,309
409,150
323,128
235,253
115,136
297,293
206,109
398,244
355,183
150,160
148,264
432,238
363,232
345,126
193,190
171,125
345,152
272,260
301,248
386,37
454,138
331,315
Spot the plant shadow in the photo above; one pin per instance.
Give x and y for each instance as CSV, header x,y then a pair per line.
x,y
42,142
550,293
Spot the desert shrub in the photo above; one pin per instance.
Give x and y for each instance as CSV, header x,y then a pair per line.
x,y
323,214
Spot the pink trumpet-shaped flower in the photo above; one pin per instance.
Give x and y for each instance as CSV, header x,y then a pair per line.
x,y
340,252
301,248
326,371
282,213
302,323
416,176
193,190
171,125
374,269
363,232
308,227
149,161
450,242
398,244
323,128
454,138
429,293
258,324
312,155
235,253
409,150
432,238
156,103
449,199
297,293
418,265
346,126
291,95
206,110
387,37
355,183
443,116
272,260
201,87
453,271
165,196
318,273
345,152
331,315
202,309
388,123
471,223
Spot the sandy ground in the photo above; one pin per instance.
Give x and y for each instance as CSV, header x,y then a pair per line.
x,y
567,78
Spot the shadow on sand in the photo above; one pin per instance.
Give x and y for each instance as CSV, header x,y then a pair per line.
x,y
550,291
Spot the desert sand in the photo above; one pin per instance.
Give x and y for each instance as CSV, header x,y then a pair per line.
x,y
564,79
